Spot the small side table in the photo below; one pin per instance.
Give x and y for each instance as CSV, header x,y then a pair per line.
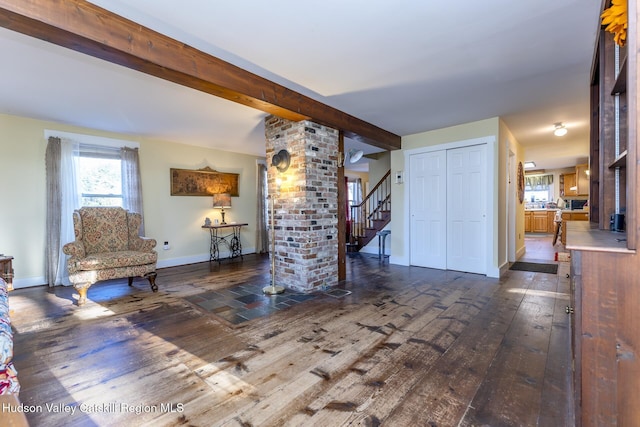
x,y
232,240
382,236
6,270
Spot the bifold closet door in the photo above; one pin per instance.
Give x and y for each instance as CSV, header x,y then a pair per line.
x,y
447,208
428,209
466,209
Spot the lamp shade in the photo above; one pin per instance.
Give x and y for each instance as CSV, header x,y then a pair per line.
x,y
355,155
281,160
222,201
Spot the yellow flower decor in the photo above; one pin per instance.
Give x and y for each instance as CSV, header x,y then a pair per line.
x,y
615,18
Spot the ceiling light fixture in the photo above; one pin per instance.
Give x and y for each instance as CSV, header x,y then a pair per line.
x,y
560,130
529,165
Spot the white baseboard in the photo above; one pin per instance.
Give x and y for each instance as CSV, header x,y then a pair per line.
x,y
28,282
193,259
173,262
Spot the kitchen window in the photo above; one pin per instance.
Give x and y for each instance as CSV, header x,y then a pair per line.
x,y
538,188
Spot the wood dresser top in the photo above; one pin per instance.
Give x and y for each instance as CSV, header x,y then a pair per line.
x,y
586,236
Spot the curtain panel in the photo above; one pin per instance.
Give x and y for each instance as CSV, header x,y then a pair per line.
x,y
262,235
62,200
538,181
131,183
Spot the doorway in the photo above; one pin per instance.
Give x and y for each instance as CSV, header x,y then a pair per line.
x,y
539,248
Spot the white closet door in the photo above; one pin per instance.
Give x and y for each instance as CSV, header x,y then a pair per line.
x,y
427,207
466,209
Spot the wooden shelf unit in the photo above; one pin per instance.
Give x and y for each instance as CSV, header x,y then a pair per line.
x,y
605,265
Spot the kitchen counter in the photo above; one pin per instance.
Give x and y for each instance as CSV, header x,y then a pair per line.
x,y
555,209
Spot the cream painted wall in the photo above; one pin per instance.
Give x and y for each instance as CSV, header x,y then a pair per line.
x,y
177,220
484,128
379,167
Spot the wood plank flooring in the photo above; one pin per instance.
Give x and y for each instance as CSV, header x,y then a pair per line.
x,y
408,347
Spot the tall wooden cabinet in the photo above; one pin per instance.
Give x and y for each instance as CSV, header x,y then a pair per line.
x,y
605,266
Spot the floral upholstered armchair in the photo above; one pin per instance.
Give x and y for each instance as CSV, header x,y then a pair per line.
x,y
8,375
108,246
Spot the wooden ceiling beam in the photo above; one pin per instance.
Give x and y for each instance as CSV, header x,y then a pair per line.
x,y
89,29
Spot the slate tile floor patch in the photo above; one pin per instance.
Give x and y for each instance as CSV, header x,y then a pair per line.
x,y
338,293
242,303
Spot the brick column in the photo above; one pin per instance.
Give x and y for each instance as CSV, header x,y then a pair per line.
x,y
306,203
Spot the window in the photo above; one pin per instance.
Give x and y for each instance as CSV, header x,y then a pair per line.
x,y
538,188
100,177
354,190
93,171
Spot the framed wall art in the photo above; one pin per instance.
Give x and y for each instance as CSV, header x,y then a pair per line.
x,y
202,182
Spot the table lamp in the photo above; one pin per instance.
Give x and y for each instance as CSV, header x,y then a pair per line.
x,y
222,201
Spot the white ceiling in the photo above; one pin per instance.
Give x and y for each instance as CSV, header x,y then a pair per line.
x,y
406,66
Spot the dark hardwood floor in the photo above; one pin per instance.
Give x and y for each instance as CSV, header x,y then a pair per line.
x,y
408,347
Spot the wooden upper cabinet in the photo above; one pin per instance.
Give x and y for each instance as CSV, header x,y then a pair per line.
x,y
582,180
579,181
569,183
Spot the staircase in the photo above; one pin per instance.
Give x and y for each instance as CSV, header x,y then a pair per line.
x,y
370,216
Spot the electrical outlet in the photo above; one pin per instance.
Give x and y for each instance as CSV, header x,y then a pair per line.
x,y
166,246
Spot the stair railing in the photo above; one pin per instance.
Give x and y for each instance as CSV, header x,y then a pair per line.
x,y
372,208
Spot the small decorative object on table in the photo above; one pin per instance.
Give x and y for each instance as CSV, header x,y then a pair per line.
x,y
222,201
207,222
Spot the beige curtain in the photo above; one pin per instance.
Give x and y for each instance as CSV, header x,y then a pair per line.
x,y
62,199
52,163
131,183
262,236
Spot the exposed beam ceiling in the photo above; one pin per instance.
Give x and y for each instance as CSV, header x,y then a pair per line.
x,y
94,31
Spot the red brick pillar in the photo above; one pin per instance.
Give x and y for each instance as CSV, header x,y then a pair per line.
x,y
306,203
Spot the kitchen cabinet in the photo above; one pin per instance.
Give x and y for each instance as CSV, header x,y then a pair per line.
x,y
582,179
551,225
577,183
539,222
569,183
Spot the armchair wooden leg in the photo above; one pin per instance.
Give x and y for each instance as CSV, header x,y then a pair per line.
x,y
82,293
152,280
130,281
